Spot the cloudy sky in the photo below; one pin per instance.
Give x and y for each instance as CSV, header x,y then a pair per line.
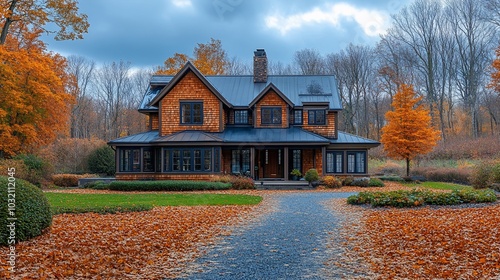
x,y
147,32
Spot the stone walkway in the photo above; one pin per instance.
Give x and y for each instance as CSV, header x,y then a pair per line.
x,y
288,243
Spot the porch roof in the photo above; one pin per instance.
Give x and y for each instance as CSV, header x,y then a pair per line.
x,y
189,136
347,138
140,138
271,136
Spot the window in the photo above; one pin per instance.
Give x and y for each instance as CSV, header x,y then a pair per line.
x,y
296,159
271,115
297,116
356,162
130,160
188,160
317,117
191,113
216,160
240,162
334,162
148,160
241,117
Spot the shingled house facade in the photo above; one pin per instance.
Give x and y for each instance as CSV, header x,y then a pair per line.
x,y
260,125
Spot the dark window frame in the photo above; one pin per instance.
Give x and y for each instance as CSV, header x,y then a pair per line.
x,y
332,167
241,160
314,119
356,163
178,164
301,112
192,112
272,112
133,163
239,119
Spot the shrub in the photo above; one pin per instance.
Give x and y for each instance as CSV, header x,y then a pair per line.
x,y
485,174
360,182
444,174
242,183
96,185
222,178
102,161
347,181
417,197
36,169
311,175
167,186
392,179
32,210
69,180
331,182
375,182
391,168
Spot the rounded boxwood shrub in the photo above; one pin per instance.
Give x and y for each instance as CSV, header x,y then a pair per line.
x,y
32,210
102,161
311,175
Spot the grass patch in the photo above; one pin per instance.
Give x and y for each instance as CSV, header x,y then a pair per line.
x,y
112,203
439,186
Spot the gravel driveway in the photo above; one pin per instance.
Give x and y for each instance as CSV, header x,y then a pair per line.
x,y
288,243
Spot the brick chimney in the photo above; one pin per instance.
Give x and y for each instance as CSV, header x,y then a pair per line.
x,y
260,66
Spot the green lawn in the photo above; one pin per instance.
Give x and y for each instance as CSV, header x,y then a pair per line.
x,y
111,203
438,186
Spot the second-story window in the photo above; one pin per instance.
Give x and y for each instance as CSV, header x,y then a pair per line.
x,y
191,112
271,115
317,117
297,116
241,117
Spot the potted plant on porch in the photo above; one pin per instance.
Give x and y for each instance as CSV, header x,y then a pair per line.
x,y
296,174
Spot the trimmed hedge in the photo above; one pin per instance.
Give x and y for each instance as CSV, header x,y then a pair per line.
x,y
172,185
32,210
417,197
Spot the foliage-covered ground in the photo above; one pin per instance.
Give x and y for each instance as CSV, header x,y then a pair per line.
x,y
452,242
152,244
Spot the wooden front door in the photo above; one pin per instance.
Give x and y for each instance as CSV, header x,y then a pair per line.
x,y
273,164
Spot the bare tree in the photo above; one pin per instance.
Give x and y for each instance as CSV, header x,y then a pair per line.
x,y
82,72
235,66
278,68
474,38
309,62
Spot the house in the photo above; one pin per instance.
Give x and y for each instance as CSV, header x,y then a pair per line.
x,y
259,125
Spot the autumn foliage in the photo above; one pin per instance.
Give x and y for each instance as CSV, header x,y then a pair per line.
x,y
495,76
34,105
408,132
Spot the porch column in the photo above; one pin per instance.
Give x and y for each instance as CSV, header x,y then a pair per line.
x,y
285,162
252,162
323,160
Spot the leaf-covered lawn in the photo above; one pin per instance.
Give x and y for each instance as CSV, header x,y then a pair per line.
x,y
425,243
152,245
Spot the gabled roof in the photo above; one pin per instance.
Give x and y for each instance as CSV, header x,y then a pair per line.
x,y
241,91
189,67
269,87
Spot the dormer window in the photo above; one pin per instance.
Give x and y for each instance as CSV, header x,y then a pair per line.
x,y
241,117
317,117
271,115
297,116
191,112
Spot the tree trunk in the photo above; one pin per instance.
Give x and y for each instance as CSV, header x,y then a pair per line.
x,y
407,167
8,21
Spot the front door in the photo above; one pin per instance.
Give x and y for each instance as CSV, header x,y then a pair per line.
x,y
272,163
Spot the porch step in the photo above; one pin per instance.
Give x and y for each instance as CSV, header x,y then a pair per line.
x,y
282,185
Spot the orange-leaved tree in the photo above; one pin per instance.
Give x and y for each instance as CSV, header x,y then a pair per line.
x,y
408,131
210,59
34,103
495,75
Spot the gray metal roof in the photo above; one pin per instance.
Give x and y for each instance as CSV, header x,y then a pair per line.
x,y
241,90
347,138
140,138
190,136
271,135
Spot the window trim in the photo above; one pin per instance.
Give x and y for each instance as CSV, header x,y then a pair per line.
x,y
271,109
315,111
356,171
334,163
191,112
240,162
239,122
192,166
301,116
131,160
